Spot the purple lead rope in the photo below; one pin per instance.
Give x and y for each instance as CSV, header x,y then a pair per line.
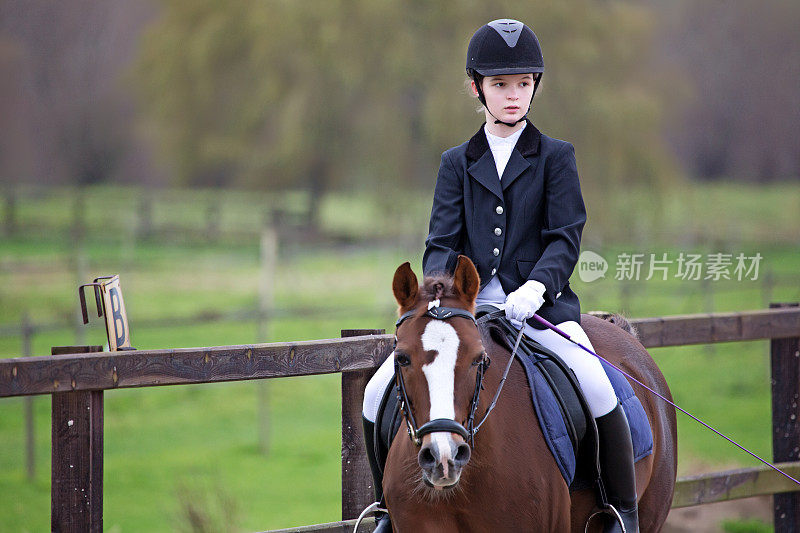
x,y
548,325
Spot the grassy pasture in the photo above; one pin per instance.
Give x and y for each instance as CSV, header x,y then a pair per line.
x,y
168,449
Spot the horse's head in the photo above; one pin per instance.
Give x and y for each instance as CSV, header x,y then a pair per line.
x,y
437,360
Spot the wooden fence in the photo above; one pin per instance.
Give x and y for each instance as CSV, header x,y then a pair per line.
x,y
76,378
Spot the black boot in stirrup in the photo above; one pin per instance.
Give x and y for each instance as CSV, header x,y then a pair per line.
x,y
383,524
617,470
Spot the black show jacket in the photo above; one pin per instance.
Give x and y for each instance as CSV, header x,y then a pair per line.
x,y
526,226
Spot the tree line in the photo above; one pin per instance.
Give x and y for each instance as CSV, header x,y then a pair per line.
x,y
367,94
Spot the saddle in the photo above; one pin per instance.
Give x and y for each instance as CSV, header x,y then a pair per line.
x,y
575,446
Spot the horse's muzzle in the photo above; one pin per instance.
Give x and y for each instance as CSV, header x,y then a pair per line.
x,y
442,459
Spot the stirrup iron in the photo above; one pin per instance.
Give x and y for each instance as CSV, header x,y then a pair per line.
x,y
611,510
374,507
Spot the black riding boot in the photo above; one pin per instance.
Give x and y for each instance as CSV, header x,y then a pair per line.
x,y
617,469
383,524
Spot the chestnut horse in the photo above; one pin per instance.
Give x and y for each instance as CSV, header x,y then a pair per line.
x,y
509,480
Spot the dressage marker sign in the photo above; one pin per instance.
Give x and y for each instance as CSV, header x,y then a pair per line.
x,y
108,296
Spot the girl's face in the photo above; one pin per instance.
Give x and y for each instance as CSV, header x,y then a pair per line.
x,y
507,95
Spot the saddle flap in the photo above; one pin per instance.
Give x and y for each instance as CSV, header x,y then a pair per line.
x,y
387,422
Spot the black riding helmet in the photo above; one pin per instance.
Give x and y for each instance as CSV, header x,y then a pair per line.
x,y
504,46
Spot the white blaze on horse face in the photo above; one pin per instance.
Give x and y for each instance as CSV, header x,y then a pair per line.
x,y
441,337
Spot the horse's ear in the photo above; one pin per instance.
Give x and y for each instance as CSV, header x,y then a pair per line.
x,y
405,285
466,281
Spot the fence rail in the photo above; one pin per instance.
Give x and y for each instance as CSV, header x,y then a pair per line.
x,y
683,330
71,371
141,368
76,381
734,484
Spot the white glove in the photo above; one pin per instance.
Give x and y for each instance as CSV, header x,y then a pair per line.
x,y
525,301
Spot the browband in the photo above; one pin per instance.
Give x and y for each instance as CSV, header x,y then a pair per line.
x,y
439,313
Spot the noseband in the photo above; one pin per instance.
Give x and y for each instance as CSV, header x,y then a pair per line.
x,y
440,424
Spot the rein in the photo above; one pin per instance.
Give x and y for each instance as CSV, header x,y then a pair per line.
x,y
486,318
445,424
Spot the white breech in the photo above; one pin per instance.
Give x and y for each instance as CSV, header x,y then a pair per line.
x,y
591,376
373,394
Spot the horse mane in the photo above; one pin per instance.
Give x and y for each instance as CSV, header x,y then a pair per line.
x,y
436,287
618,320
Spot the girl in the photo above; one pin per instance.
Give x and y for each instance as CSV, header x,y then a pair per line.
x,y
510,200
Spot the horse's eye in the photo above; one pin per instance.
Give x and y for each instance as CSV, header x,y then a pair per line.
x,y
402,359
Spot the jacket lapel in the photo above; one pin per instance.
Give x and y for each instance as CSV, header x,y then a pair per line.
x,y
481,163
527,146
482,166
485,171
516,165
529,141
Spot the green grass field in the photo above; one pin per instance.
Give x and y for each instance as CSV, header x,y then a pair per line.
x,y
169,450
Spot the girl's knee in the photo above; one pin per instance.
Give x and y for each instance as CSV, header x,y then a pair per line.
x,y
372,398
373,392
600,396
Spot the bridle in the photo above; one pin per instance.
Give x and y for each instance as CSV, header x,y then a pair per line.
x,y
469,428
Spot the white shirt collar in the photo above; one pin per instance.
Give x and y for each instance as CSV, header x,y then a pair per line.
x,y
512,139
502,147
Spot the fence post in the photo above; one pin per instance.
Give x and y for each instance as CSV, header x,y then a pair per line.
x,y
81,275
213,212
266,308
10,225
767,285
357,489
708,306
145,227
76,490
30,442
785,364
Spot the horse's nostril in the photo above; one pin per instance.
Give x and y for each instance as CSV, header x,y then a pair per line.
x,y
462,454
427,458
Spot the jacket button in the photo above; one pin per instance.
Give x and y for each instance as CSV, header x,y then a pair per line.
x,y
494,271
498,231
499,209
496,252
